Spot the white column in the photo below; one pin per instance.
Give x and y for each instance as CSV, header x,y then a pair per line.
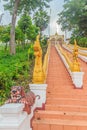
x,y
77,78
13,118
39,89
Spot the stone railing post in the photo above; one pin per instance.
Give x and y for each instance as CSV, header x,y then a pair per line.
x,y
40,90
77,78
12,117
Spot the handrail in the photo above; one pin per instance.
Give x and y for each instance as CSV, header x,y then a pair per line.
x,y
74,65
81,48
65,56
46,59
74,71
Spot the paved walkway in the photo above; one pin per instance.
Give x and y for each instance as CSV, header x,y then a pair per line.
x,y
66,107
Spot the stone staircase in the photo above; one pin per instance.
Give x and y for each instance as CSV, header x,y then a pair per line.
x,y
66,107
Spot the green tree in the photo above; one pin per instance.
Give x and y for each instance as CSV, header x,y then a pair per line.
x,y
5,35
41,19
19,35
74,16
19,6
24,23
12,31
32,32
1,30
29,30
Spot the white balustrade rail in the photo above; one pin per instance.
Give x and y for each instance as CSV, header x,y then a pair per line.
x,y
84,58
12,116
77,77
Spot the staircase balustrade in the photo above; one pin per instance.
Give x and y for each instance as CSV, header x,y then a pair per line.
x,y
73,67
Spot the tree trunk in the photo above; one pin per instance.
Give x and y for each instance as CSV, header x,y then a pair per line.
x,y
12,32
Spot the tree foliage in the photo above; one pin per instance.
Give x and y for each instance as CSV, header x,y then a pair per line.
x,y
19,35
74,16
41,19
5,34
21,6
24,22
26,5
32,32
29,30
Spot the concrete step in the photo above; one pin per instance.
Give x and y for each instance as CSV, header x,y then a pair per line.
x,y
60,115
69,108
56,124
70,91
64,101
63,95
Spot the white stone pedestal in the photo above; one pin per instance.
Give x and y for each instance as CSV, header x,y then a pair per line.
x,y
13,117
39,89
77,78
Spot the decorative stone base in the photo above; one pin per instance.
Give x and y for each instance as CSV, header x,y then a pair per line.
x,y
13,117
39,90
77,78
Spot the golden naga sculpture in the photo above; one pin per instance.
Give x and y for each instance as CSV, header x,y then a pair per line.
x,y
38,75
45,63
76,65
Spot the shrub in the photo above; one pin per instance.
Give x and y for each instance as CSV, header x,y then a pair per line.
x,y
14,70
30,52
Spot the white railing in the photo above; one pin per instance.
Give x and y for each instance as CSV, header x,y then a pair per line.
x,y
84,58
77,77
12,116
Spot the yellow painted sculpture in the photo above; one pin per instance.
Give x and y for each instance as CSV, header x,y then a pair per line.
x,y
76,65
38,75
45,63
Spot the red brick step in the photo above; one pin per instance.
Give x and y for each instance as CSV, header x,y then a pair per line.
x,y
70,108
55,124
61,115
64,101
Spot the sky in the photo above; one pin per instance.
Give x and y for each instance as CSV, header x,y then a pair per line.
x,y
6,17
56,6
